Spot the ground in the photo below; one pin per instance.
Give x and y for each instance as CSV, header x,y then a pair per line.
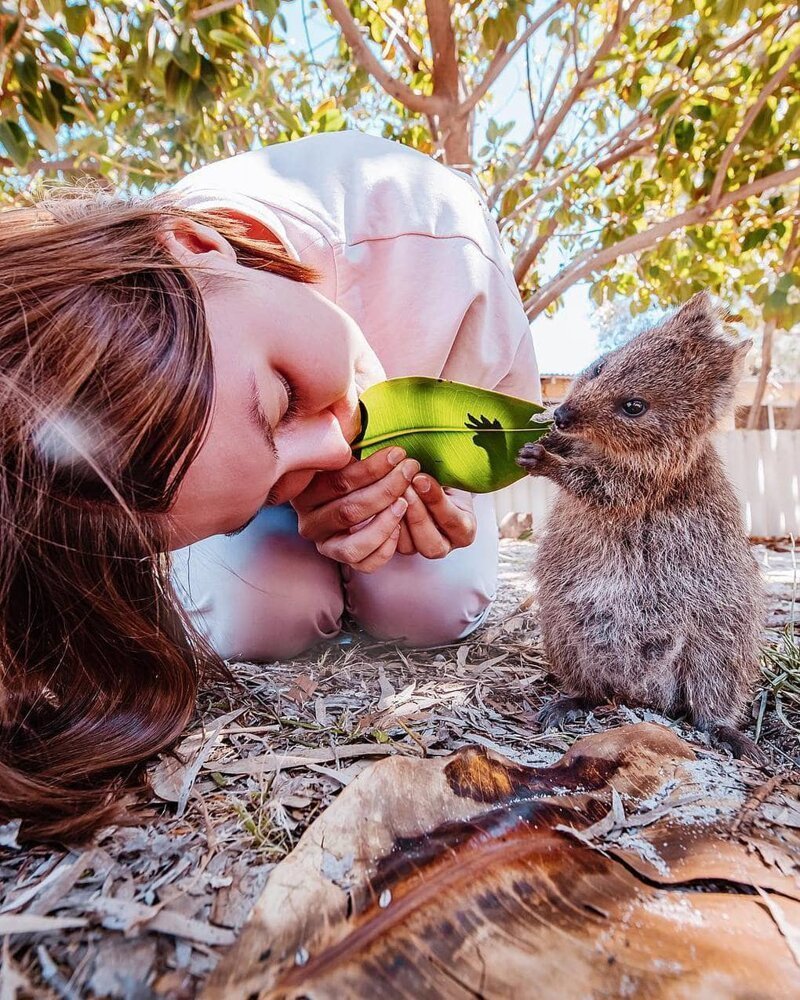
x,y
147,910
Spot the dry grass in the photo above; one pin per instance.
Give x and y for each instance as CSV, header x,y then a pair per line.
x,y
155,905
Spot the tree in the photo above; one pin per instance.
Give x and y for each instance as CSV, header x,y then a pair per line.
x,y
781,310
660,155
137,93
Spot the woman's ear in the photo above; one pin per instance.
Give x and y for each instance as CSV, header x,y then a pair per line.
x,y
253,228
188,240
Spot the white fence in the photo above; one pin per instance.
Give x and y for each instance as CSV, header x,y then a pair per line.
x,y
763,465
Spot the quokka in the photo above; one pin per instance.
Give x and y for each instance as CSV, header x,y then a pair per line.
x,y
648,591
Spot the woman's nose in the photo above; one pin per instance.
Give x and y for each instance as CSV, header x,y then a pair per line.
x,y
346,412
320,444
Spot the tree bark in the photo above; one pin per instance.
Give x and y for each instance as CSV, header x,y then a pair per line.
x,y
453,125
763,375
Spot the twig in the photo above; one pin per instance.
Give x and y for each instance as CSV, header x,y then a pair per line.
x,y
773,83
422,103
596,257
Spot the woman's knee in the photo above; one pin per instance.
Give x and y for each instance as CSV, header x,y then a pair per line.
x,y
263,595
283,605
419,605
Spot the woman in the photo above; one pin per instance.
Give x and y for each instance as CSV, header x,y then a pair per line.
x,y
174,372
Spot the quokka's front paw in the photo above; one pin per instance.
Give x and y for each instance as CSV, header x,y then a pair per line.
x,y
534,458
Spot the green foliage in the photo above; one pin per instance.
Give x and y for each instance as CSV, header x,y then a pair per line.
x,y
623,124
465,437
138,93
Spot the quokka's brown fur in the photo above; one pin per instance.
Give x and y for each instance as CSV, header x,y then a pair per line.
x,y
648,591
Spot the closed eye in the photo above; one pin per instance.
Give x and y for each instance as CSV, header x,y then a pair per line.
x,y
258,418
292,402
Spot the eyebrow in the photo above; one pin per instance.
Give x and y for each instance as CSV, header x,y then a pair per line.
x,y
257,416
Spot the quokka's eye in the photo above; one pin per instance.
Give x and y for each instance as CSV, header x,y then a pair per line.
x,y
634,407
598,368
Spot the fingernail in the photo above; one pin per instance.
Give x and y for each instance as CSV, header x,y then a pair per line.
x,y
396,456
422,485
410,469
399,507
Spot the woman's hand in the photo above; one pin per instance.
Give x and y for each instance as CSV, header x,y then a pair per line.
x,y
437,521
353,515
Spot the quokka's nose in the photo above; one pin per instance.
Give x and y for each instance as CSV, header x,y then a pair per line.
x,y
563,416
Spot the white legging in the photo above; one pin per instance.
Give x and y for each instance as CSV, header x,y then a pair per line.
x,y
267,594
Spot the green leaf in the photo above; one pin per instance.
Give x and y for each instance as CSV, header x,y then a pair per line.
x,y
684,134
187,57
662,106
15,143
754,238
465,437
60,41
491,33
78,18
44,132
228,40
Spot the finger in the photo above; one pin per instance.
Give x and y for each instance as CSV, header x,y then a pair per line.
x,y
353,549
457,525
404,544
327,486
354,508
380,556
425,535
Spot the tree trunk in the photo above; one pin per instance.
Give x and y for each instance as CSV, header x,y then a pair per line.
x,y
454,127
763,375
456,136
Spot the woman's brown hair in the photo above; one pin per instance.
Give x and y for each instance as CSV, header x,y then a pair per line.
x,y
106,389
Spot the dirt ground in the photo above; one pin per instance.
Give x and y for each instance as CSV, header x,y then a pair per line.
x,y
147,910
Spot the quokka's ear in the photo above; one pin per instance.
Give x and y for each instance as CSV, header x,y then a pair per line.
x,y
701,317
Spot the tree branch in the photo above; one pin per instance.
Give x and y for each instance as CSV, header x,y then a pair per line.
x,y
737,43
526,145
619,151
526,258
504,54
443,46
772,85
421,103
623,153
609,41
212,9
52,166
416,60
595,259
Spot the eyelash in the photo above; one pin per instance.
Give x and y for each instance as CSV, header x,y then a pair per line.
x,y
292,408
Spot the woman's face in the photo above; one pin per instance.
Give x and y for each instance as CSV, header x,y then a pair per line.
x,y
285,394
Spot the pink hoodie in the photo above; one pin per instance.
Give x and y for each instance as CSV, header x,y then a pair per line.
x,y
404,245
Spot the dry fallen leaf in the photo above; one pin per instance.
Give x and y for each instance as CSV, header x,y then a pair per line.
x,y
302,689
465,876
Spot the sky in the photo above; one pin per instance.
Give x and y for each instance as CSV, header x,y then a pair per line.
x,y
566,342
